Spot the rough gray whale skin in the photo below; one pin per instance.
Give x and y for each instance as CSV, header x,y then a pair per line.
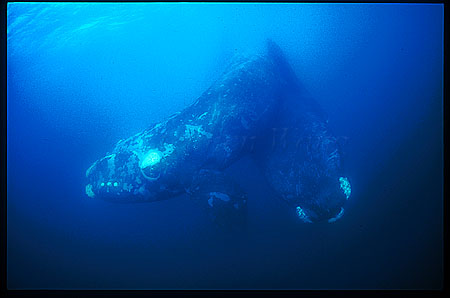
x,y
238,115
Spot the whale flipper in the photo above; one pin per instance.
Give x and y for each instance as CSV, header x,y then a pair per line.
x,y
223,199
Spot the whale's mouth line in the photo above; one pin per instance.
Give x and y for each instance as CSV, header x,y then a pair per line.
x,y
148,177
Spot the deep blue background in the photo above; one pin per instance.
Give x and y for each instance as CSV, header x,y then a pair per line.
x,y
82,76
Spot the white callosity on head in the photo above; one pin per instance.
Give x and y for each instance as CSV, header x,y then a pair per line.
x,y
89,191
168,149
151,158
345,186
302,215
154,156
339,215
109,184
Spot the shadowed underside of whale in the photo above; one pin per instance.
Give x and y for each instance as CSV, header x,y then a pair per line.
x,y
236,116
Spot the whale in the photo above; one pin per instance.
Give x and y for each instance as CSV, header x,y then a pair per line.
x,y
239,115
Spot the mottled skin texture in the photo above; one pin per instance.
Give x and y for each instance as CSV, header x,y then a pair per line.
x,y
300,157
189,151
301,160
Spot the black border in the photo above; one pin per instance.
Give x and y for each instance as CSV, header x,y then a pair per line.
x,y
211,293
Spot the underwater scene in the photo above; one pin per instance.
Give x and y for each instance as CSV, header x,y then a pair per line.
x,y
224,146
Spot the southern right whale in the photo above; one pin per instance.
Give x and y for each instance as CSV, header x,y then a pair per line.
x,y
188,153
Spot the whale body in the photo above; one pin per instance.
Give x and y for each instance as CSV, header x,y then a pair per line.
x,y
187,153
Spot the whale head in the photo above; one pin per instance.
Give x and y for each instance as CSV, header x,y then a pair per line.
x,y
134,172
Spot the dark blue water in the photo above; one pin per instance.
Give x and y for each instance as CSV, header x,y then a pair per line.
x,y
82,76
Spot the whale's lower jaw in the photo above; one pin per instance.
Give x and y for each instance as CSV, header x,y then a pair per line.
x,y
238,115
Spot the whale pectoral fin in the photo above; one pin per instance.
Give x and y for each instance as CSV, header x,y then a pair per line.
x,y
223,199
